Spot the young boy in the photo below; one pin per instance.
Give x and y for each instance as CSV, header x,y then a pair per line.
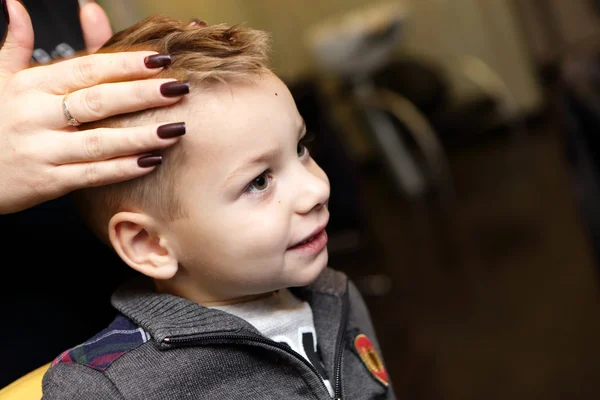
x,y
234,300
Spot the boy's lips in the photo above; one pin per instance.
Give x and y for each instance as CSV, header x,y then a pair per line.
x,y
311,236
313,246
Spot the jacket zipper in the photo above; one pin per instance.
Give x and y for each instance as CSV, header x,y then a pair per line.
x,y
340,347
269,342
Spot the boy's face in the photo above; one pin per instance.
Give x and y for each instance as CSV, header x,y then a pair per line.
x,y
252,193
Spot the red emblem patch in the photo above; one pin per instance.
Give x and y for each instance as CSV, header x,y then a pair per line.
x,y
370,358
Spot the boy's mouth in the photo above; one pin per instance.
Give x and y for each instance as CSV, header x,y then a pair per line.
x,y
313,244
306,241
316,240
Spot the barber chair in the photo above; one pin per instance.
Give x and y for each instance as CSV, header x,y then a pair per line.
x,y
352,47
27,387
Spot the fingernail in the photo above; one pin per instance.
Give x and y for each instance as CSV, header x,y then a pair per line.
x,y
149,161
199,22
171,130
173,89
157,60
5,10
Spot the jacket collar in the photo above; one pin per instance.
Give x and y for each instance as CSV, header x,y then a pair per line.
x,y
164,315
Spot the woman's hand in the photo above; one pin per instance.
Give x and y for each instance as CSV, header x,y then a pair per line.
x,y
95,25
41,156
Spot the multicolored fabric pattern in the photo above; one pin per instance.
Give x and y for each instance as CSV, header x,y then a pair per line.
x,y
120,337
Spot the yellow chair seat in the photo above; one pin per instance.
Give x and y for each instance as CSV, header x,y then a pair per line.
x,y
26,387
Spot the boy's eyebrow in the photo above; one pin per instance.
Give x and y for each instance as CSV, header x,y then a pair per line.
x,y
262,157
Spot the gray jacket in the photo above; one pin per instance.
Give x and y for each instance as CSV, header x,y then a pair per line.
x,y
165,347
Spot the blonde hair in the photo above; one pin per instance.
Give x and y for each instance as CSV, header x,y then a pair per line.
x,y
202,55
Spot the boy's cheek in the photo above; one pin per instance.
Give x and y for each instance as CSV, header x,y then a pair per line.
x,y
267,234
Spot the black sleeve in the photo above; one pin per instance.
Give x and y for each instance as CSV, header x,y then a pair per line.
x,y
57,30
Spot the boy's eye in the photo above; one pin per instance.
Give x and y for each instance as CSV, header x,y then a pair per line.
x,y
260,183
301,149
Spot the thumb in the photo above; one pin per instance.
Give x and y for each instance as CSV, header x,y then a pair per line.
x,y
95,25
16,52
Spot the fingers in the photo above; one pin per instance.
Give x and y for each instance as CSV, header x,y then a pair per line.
x,y
107,143
95,25
17,50
82,72
197,23
105,172
107,100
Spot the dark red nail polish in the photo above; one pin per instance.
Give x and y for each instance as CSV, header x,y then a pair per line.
x,y
199,22
158,60
149,161
174,89
168,131
5,11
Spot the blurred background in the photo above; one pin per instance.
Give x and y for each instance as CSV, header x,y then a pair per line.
x,y
460,140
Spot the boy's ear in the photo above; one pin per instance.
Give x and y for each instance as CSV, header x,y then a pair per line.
x,y
137,239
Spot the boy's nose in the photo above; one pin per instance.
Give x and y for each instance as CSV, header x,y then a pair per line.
x,y
313,191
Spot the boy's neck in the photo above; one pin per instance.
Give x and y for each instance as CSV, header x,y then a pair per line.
x,y
237,300
206,301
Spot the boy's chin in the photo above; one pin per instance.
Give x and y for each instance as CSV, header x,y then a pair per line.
x,y
310,273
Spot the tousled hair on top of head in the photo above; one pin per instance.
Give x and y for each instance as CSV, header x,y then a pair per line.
x,y
199,53
202,55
